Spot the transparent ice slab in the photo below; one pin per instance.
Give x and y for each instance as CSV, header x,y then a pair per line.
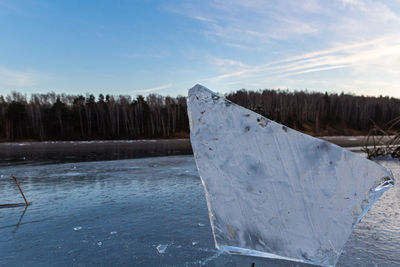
x,y
274,192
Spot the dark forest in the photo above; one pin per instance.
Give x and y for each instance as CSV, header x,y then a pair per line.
x,y
76,117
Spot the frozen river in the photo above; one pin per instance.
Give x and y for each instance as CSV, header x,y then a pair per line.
x,y
145,212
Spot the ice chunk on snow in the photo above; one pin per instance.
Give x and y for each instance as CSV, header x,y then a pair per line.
x,y
274,192
161,248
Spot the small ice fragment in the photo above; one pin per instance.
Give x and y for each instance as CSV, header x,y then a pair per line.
x,y
113,233
195,243
178,246
200,224
77,228
161,248
99,243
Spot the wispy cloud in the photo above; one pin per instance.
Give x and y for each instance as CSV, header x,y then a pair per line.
x,y
149,90
329,43
157,51
259,22
341,56
249,22
201,18
157,54
225,64
19,78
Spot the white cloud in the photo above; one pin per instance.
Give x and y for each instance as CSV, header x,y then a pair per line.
x,y
149,90
240,22
339,43
224,64
19,78
156,54
201,18
258,22
352,55
373,66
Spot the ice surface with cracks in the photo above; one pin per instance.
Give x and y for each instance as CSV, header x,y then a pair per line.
x,y
274,192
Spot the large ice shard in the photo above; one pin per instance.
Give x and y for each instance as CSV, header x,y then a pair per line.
x,y
274,192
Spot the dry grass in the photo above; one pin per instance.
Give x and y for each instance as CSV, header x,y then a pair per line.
x,y
383,141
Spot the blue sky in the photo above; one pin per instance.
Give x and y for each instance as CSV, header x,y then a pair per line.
x,y
165,47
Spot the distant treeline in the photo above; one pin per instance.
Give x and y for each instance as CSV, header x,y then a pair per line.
x,y
76,117
320,113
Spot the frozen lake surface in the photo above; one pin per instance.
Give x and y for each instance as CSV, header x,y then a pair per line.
x,y
146,212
